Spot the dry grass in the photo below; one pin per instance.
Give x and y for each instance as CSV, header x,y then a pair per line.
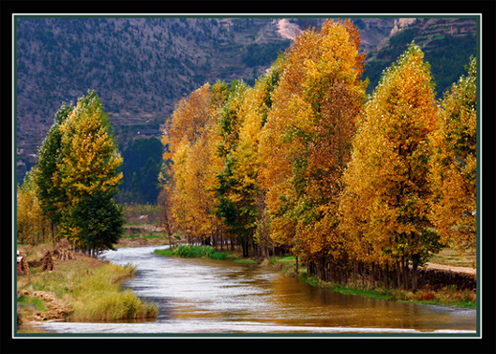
x,y
456,258
90,288
98,297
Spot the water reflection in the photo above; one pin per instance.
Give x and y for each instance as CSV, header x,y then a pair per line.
x,y
205,296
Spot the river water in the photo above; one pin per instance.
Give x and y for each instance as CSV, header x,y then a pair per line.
x,y
198,296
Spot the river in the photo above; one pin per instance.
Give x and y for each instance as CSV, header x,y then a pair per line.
x,y
200,296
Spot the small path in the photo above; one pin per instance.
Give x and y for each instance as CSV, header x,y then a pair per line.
x,y
451,268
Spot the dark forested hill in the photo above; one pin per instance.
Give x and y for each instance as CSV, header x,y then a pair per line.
x,y
447,43
140,67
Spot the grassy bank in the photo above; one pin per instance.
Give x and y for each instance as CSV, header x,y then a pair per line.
x,y
444,296
81,289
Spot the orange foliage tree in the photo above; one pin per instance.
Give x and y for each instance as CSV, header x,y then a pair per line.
x,y
306,141
305,161
190,139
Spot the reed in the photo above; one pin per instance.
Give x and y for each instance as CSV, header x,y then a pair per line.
x,y
98,297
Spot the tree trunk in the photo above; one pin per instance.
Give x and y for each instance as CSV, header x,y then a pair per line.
x,y
404,265
221,241
416,261
414,277
52,227
398,274
386,276
372,274
355,274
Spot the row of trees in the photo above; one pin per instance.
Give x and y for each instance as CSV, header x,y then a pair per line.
x,y
356,187
71,189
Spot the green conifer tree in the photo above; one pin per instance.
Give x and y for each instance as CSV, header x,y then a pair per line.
x,y
51,197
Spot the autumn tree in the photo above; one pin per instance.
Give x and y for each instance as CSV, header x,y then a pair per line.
x,y
241,200
190,145
32,225
234,207
88,173
453,168
384,204
306,141
188,121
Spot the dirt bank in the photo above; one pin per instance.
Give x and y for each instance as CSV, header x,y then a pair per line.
x,y
56,308
82,288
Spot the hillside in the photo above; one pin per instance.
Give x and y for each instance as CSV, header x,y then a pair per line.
x,y
140,67
447,43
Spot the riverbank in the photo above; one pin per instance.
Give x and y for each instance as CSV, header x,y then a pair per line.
x,y
448,295
78,289
445,296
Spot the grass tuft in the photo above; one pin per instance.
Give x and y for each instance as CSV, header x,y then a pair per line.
x,y
192,251
98,297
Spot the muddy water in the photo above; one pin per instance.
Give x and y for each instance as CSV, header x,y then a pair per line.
x,y
205,296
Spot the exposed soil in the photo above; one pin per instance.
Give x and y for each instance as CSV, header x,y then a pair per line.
x,y
287,29
57,309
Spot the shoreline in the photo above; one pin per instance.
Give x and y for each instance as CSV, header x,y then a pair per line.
x,y
444,297
83,289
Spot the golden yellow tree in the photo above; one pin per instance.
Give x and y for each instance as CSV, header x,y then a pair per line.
x,y
241,200
190,145
453,169
31,223
188,120
90,159
384,205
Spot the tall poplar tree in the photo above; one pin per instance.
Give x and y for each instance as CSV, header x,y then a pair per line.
x,y
385,209
88,172
453,168
189,138
30,219
234,207
241,198
305,144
